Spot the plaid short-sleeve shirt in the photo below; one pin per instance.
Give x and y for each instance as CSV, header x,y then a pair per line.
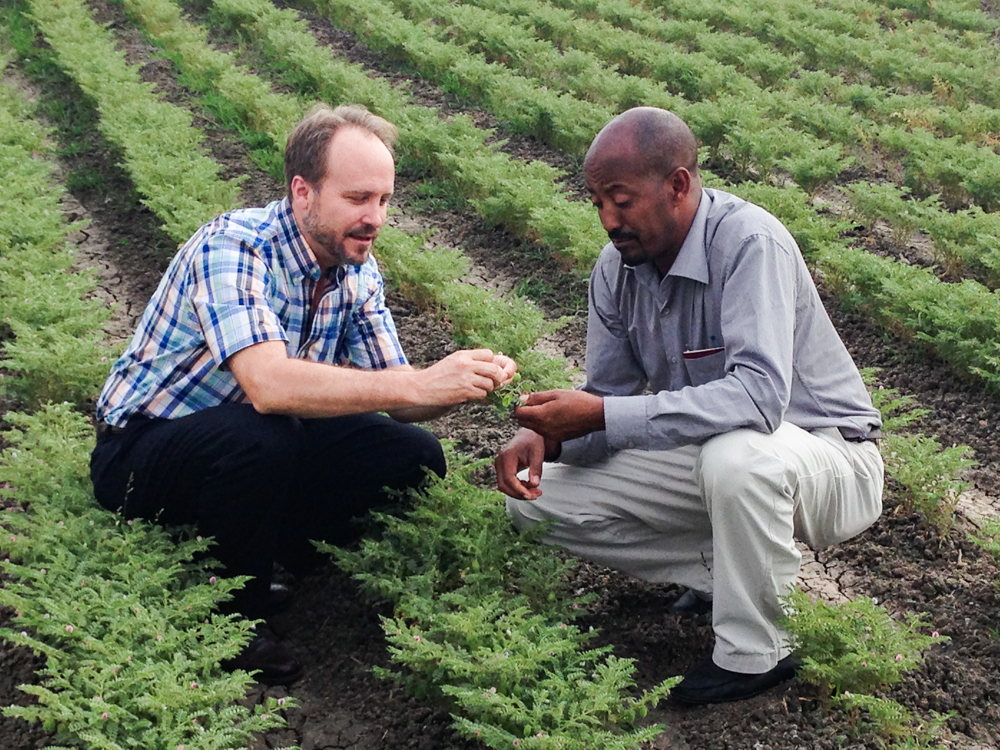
x,y
244,278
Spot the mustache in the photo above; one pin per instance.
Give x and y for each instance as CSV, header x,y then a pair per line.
x,y
363,232
617,235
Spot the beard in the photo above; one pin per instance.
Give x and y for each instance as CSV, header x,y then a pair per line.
x,y
333,244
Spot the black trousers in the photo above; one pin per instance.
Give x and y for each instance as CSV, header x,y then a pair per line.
x,y
262,485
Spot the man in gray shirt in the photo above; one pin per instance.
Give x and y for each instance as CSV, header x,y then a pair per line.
x,y
722,416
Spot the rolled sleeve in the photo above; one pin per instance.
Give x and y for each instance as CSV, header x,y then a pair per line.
x,y
372,341
229,298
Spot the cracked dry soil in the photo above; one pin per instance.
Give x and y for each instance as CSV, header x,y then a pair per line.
x,y
909,567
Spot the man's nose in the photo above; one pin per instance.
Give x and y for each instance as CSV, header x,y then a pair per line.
x,y
610,218
376,215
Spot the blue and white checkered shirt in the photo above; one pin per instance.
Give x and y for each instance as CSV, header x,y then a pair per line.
x,y
244,278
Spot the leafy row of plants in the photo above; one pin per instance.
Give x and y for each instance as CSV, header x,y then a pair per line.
x,y
483,620
760,130
121,612
162,151
835,40
934,110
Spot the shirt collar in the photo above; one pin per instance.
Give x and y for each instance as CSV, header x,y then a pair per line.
x,y
301,262
692,259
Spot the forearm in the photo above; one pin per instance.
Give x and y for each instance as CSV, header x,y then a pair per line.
x,y
419,413
306,389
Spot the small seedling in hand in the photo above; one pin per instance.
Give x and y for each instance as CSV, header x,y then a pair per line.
x,y
506,398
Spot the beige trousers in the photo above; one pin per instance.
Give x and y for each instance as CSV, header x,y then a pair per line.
x,y
720,518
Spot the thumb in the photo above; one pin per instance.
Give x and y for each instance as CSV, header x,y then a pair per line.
x,y
536,399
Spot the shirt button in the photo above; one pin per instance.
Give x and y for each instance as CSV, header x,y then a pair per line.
x,y
631,444
666,311
673,360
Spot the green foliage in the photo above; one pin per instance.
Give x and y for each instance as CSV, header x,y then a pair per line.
x,y
57,346
482,619
989,537
929,476
162,149
853,647
121,612
506,398
893,724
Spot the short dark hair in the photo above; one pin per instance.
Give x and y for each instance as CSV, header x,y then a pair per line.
x,y
305,152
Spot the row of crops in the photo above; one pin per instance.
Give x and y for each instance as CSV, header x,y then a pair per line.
x,y
114,608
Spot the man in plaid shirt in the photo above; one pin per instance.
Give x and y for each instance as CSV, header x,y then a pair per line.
x,y
247,400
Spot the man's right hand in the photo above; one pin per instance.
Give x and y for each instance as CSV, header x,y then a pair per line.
x,y
462,376
526,450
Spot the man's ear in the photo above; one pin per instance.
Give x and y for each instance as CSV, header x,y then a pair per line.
x,y
300,192
680,182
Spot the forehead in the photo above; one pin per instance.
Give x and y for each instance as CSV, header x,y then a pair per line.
x,y
613,161
359,161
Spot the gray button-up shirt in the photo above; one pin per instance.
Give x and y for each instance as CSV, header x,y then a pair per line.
x,y
734,336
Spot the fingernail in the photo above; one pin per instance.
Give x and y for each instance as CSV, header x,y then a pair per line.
x,y
523,398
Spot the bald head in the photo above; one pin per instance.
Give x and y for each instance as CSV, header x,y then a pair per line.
x,y
649,140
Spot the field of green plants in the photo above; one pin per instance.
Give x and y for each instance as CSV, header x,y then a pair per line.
x,y
869,127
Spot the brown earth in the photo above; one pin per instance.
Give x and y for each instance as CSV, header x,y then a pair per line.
x,y
900,561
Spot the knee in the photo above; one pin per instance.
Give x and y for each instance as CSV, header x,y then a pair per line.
x,y
422,450
728,465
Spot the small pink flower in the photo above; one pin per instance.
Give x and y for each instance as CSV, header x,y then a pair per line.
x,y
517,742
281,701
899,657
159,637
935,634
198,538
180,747
43,571
476,732
70,628
493,689
129,523
264,717
194,685
115,670
104,715
864,664
539,735
213,579
416,638
61,523
13,538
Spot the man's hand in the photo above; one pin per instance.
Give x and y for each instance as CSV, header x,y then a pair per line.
x,y
526,450
462,376
561,415
507,366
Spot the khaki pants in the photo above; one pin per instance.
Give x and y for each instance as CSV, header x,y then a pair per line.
x,y
720,518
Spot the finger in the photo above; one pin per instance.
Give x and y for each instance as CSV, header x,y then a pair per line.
x,y
489,369
535,459
507,481
481,355
541,397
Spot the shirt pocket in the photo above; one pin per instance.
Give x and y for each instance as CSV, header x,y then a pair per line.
x,y
704,368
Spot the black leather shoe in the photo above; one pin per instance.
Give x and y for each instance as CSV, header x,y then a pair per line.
x,y
279,599
273,663
709,683
689,604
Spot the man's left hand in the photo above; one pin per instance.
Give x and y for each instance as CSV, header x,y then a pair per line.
x,y
561,415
